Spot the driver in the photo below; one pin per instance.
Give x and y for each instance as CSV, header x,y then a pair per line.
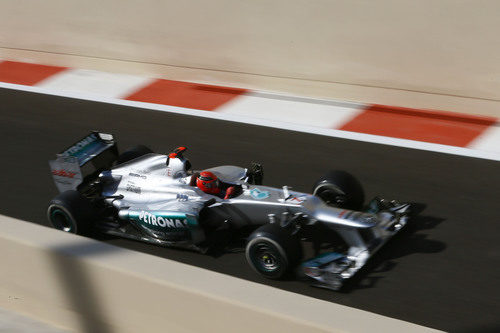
x,y
209,183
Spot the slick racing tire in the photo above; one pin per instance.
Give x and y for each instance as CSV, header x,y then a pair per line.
x,y
132,153
71,212
273,251
340,189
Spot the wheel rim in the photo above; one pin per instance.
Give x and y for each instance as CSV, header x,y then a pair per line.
x,y
266,258
61,220
332,197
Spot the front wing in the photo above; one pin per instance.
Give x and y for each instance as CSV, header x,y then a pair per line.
x,y
330,270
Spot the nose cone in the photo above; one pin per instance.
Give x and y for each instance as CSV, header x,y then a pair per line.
x,y
344,217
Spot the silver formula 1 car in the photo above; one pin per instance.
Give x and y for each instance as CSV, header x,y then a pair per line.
x,y
154,198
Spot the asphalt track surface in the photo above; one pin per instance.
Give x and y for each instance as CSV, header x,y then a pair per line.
x,y
443,271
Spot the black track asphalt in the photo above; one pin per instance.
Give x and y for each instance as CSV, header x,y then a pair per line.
x,y
442,272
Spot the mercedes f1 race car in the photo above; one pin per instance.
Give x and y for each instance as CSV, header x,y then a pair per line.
x,y
159,199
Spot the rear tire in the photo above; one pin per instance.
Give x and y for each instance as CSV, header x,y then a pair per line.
x,y
273,251
133,153
340,189
71,212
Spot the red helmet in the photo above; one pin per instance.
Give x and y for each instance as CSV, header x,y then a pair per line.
x,y
208,182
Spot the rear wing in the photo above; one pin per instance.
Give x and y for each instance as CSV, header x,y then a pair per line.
x,y
83,160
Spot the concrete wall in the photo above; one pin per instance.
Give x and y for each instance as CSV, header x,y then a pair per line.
x,y
445,47
89,286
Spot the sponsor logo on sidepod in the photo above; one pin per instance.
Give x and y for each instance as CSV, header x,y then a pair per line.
x,y
133,188
161,221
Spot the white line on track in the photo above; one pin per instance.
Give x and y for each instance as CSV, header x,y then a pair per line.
x,y
269,123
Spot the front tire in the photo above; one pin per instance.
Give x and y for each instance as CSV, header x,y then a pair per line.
x,y
273,251
340,189
71,212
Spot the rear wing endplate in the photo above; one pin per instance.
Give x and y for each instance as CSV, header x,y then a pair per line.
x,y
72,166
